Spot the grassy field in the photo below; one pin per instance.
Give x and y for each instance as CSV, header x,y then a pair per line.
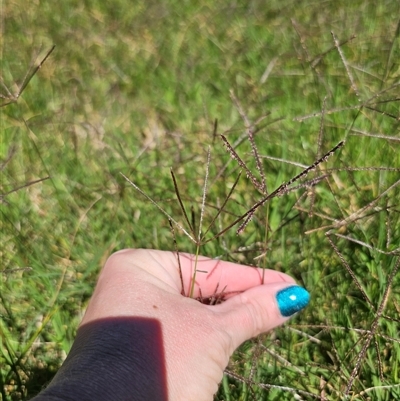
x,y
141,87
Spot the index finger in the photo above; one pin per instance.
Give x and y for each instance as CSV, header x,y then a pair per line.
x,y
213,276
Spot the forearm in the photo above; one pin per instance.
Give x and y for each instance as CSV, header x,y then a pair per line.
x,y
112,359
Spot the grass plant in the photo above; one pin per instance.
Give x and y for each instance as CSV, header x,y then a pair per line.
x,y
210,110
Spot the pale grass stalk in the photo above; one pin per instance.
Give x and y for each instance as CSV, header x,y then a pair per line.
x,y
359,213
181,203
198,242
12,98
241,163
250,134
247,217
374,326
220,209
346,66
283,361
183,292
354,107
394,252
266,386
350,271
158,207
326,327
319,145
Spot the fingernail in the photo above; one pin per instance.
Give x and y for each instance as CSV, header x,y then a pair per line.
x,y
292,299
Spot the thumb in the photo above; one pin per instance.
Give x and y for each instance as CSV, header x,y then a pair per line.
x,y
261,309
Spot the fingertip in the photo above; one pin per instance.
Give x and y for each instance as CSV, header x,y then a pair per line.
x,y
292,299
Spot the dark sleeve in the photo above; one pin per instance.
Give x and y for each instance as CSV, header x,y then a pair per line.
x,y
117,359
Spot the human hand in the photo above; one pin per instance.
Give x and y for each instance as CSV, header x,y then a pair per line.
x,y
172,347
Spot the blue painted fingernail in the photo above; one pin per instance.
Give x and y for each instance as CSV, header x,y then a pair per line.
x,y
292,299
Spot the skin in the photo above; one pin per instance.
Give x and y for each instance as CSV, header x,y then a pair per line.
x,y
140,337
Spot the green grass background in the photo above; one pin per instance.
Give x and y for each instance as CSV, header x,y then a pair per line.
x,y
135,88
